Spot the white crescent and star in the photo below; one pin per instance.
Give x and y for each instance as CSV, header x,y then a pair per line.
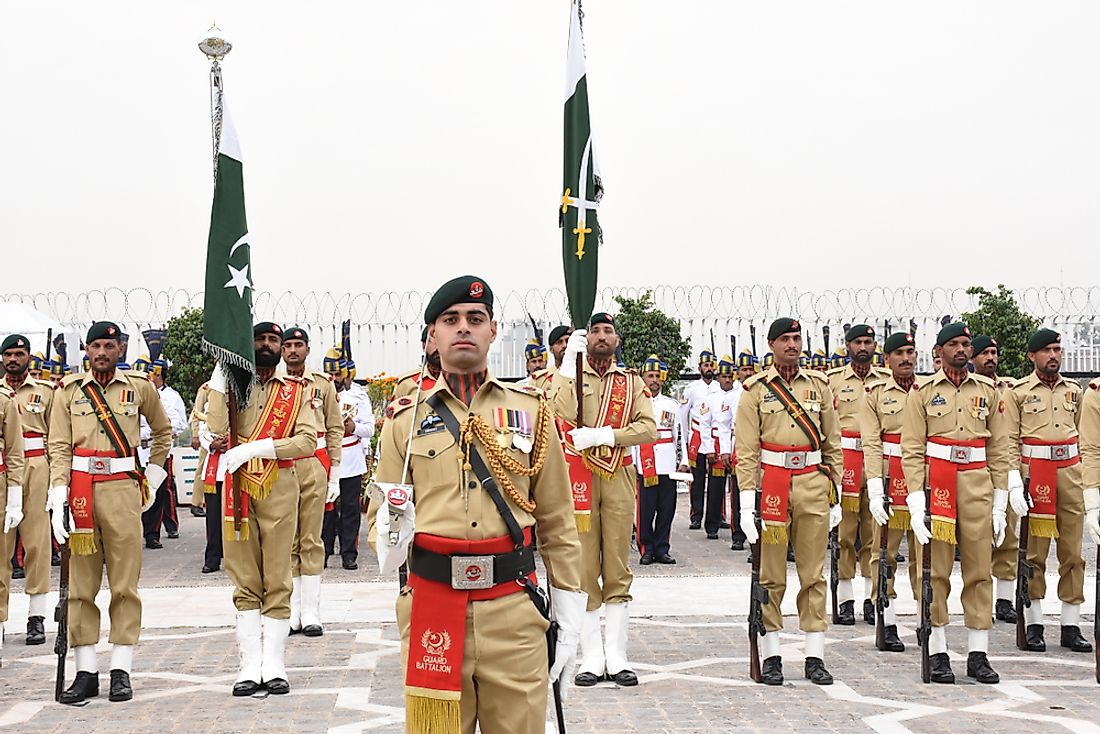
x,y
238,278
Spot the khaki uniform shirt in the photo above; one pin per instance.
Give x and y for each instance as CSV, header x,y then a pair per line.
x,y
451,503
937,408
882,413
640,428
1033,410
850,389
406,384
198,414
543,379
1089,424
11,439
320,397
299,443
761,418
35,398
74,424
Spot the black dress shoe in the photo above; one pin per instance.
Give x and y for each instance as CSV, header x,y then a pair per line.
x,y
941,668
893,642
584,680
869,612
210,569
19,573
245,688
666,558
771,671
723,525
646,559
121,690
198,512
695,526
712,536
847,613
350,564
277,686
1072,639
36,631
625,678
790,556
1005,611
55,560
816,673
173,535
312,630
899,558
85,685
737,544
978,668
153,545
1035,641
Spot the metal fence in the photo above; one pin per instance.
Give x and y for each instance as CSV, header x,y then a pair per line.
x,y
386,325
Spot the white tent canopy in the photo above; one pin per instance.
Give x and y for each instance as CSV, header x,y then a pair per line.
x,y
19,318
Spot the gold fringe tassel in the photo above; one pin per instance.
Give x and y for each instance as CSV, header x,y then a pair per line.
x,y
691,463
229,534
83,543
257,490
774,534
432,715
718,471
1042,527
943,531
899,520
597,470
209,489
144,491
849,503
650,481
584,521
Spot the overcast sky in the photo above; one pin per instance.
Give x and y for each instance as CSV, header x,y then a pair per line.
x,y
389,146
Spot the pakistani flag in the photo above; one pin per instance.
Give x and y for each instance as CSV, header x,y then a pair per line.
x,y
227,307
581,191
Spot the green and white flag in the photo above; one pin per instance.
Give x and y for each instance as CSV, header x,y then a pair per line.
x,y
582,189
227,304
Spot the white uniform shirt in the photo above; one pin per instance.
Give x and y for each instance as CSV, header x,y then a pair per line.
x,y
353,462
177,415
695,414
666,411
723,410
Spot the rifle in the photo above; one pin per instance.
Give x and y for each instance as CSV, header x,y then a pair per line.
x,y
61,614
825,338
1024,573
758,597
752,337
885,573
924,631
1096,616
834,572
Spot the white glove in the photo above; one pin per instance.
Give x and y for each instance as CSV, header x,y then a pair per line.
x,y
238,456
585,438
567,608
399,504
747,522
876,495
577,344
55,505
1092,512
1000,521
333,492
836,514
916,502
1016,493
13,514
217,380
156,476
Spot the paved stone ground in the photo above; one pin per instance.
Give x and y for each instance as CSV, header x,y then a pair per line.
x,y
693,669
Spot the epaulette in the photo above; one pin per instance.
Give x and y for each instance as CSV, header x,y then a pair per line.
x,y
397,406
753,380
983,379
137,373
539,374
526,389
881,371
6,391
922,380
835,370
411,375
70,379
816,374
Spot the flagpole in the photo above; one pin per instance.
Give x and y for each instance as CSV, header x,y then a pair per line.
x,y
215,47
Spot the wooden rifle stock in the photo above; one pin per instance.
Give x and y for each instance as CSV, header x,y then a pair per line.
x,y
1024,574
882,599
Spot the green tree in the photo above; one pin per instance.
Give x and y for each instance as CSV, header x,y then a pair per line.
x,y
999,316
645,330
190,365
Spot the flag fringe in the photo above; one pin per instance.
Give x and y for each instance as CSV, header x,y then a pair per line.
x,y
226,358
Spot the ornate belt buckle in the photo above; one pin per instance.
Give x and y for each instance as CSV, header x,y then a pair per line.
x,y
960,454
471,572
794,459
1059,453
858,442
99,465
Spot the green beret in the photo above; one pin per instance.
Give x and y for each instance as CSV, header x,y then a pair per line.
x,y
897,340
16,341
267,327
464,289
1043,338
103,330
982,342
783,326
559,331
952,331
602,317
857,331
296,333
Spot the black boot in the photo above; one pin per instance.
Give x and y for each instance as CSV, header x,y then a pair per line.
x,y
977,667
85,685
277,686
624,678
869,612
771,672
941,668
245,688
36,631
1035,641
1005,611
584,680
893,642
120,686
816,673
1072,639
847,613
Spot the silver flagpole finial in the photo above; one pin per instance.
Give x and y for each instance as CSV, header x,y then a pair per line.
x,y
214,43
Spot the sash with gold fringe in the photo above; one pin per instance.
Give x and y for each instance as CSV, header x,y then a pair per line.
x,y
277,420
1043,487
616,408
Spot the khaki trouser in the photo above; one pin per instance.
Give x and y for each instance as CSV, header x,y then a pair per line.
x,y
504,665
308,554
893,543
260,565
116,511
1071,524
850,522
198,494
1006,556
808,526
605,548
974,531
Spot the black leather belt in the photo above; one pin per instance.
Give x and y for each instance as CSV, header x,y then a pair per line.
x,y
467,572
